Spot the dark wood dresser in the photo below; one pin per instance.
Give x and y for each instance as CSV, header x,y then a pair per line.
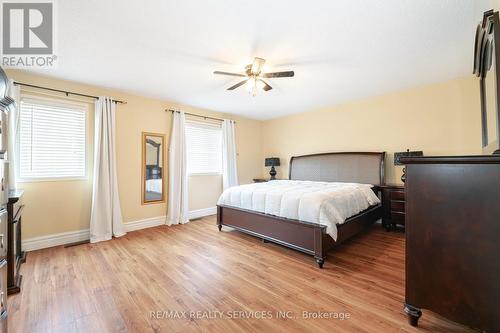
x,y
15,255
453,239
393,201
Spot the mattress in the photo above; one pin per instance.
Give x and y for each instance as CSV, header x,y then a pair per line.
x,y
325,203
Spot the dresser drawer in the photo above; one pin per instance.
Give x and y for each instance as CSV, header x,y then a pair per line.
x,y
393,201
398,195
398,216
3,285
4,186
397,206
3,233
3,132
3,322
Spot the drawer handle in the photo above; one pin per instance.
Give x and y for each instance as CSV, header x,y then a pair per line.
x,y
1,241
2,184
2,300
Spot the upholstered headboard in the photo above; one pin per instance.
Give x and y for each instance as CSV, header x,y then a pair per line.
x,y
351,167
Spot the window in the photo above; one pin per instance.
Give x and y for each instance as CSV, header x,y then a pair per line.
x,y
204,148
52,140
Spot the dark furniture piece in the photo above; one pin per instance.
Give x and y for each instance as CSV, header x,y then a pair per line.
x,y
453,239
272,162
153,172
6,103
311,238
262,180
15,255
393,201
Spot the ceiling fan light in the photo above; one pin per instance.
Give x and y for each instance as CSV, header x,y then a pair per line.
x,y
255,80
257,65
250,85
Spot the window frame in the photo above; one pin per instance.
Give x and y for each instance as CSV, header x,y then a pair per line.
x,y
58,102
203,124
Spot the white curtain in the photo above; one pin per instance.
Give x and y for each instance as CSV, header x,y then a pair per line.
x,y
229,166
106,217
14,92
177,175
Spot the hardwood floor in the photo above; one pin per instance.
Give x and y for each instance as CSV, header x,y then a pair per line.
x,y
115,286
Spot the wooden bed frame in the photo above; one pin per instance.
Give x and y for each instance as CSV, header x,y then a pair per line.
x,y
311,238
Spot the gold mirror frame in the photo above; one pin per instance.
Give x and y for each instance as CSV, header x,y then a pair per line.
x,y
145,135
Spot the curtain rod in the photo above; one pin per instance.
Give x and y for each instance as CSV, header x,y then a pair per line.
x,y
63,91
197,115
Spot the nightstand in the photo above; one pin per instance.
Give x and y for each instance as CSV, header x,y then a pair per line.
x,y
393,202
262,180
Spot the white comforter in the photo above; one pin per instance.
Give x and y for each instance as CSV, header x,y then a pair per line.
x,y
317,202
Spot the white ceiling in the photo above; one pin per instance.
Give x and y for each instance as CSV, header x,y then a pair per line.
x,y
340,50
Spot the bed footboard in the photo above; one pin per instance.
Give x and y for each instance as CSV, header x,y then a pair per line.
x,y
310,238
301,236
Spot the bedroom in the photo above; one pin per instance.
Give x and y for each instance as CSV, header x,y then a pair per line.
x,y
360,82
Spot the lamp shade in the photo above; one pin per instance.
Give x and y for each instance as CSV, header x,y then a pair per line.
x,y
407,153
272,161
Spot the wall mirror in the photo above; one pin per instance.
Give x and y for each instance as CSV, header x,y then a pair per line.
x,y
153,166
487,68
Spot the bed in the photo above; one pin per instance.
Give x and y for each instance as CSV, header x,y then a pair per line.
x,y
303,235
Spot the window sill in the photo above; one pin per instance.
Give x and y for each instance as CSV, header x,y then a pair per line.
x,y
52,179
205,174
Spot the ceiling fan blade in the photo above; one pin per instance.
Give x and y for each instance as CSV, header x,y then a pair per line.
x,y
267,87
231,74
239,84
279,74
257,65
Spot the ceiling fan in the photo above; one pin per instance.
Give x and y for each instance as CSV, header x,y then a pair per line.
x,y
254,76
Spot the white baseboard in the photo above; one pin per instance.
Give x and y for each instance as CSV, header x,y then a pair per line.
x,y
43,242
196,214
145,223
63,238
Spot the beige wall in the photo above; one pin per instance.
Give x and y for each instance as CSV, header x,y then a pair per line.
x,y
438,119
61,206
204,191
495,4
